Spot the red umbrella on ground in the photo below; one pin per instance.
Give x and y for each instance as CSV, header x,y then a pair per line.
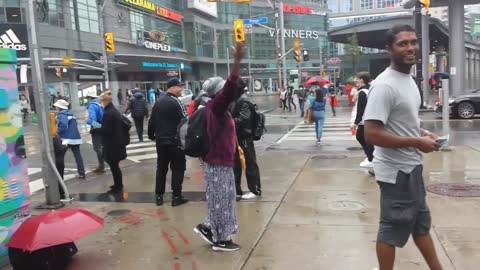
x,y
317,80
55,228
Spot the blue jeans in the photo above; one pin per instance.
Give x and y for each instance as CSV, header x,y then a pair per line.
x,y
301,104
78,158
319,117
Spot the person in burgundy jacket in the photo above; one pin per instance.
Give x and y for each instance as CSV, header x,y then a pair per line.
x,y
221,222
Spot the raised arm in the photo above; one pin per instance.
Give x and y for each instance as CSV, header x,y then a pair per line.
x,y
231,90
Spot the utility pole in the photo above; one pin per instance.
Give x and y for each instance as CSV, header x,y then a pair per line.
x,y
277,43
50,175
101,22
417,16
425,56
215,51
282,44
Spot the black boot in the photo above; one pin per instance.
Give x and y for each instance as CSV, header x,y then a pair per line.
x,y
178,201
159,200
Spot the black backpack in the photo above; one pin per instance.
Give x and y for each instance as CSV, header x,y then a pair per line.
x,y
193,134
258,121
126,125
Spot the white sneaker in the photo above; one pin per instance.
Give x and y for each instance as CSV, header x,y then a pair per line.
x,y
249,196
366,164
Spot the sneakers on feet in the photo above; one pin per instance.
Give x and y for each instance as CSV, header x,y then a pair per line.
x,y
178,201
204,232
99,170
225,246
81,176
249,196
366,164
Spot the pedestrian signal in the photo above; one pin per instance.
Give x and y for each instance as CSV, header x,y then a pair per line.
x,y
239,30
109,42
297,55
306,57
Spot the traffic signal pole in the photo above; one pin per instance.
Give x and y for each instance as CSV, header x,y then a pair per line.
x,y
282,44
101,22
50,175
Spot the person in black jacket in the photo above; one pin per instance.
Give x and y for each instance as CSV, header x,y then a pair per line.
x,y
114,148
363,85
167,114
138,107
244,124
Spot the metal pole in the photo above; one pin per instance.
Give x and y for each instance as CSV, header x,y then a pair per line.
x,y
417,16
445,108
104,49
215,51
228,61
425,56
277,44
282,44
179,72
321,56
49,172
300,70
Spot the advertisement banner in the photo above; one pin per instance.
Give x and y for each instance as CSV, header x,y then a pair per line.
x,y
14,36
204,6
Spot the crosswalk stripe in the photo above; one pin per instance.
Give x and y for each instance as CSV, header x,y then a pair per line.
x,y
333,130
37,184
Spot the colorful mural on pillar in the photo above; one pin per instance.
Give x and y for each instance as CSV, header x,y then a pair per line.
x,y
14,188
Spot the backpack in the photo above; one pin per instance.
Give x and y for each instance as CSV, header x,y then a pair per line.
x,y
258,121
193,134
126,125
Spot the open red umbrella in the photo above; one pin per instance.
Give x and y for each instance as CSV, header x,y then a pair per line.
x,y
54,228
317,80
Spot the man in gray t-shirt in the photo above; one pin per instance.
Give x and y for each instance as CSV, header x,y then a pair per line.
x,y
392,124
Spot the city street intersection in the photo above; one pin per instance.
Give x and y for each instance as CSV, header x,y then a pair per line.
x,y
318,210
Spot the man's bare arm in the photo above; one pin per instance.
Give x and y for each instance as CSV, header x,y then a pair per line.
x,y
376,134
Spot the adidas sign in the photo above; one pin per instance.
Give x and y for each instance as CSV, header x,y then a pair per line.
x,y
10,41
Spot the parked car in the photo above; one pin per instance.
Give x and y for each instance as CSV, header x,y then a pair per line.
x,y
464,106
186,96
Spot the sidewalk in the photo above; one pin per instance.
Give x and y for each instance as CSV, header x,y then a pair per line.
x,y
318,211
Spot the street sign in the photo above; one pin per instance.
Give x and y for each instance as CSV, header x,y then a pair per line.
x,y
67,61
248,29
103,59
262,20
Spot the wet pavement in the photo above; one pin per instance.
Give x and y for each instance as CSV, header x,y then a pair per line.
x,y
318,210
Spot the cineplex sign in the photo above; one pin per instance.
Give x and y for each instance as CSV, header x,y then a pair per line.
x,y
152,8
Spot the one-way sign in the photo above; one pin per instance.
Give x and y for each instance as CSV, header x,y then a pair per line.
x,y
256,20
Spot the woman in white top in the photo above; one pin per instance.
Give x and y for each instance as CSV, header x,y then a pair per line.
x,y
25,105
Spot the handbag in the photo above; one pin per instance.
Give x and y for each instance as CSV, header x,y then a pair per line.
x,y
308,116
241,157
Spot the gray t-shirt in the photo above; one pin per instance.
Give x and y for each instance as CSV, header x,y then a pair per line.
x,y
394,100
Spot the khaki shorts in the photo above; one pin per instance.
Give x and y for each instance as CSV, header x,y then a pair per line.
x,y
403,208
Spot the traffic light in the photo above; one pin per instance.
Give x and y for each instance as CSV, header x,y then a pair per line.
x,y
296,44
425,3
58,72
239,30
109,43
297,55
306,57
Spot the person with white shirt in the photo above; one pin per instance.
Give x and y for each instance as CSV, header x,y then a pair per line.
x,y
392,124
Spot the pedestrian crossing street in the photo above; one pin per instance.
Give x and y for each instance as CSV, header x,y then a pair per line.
x,y
36,181
334,130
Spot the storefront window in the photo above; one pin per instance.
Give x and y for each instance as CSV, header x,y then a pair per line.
x,y
85,15
366,4
388,3
346,5
332,6
55,15
173,31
